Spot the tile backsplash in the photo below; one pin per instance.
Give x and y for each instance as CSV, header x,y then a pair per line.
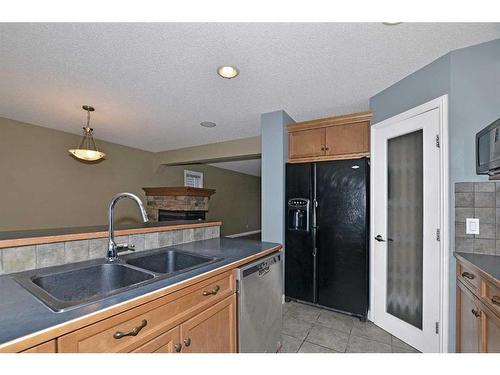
x,y
478,200
16,259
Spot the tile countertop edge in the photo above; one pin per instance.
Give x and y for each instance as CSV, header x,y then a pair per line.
x,y
98,233
38,337
489,265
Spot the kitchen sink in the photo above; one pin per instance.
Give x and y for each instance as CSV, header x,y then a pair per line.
x,y
70,286
61,290
170,261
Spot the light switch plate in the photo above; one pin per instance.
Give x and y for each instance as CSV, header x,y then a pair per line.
x,y
471,226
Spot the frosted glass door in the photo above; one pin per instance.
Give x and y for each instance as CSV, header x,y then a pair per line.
x,y
406,217
405,227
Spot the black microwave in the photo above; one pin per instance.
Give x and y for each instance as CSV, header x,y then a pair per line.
x,y
488,150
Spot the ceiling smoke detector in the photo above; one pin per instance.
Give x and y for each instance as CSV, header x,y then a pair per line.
x,y
228,71
208,124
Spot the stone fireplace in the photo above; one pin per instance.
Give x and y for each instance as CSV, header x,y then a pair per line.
x,y
177,203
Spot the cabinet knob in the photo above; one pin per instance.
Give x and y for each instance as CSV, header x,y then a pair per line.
x,y
177,347
187,341
322,148
476,313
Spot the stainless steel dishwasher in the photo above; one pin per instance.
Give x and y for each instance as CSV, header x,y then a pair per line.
x,y
259,286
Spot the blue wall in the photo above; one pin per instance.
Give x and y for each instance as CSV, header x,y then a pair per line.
x,y
274,157
471,78
420,87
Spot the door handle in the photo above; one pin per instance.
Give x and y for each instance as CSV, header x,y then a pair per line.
x,y
379,238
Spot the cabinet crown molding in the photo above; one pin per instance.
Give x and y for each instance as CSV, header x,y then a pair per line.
x,y
331,121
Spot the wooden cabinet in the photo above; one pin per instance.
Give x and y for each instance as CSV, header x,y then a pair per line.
x,y
468,321
490,332
478,319
307,143
203,309
341,137
168,342
347,139
212,331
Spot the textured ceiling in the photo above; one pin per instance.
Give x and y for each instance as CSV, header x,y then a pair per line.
x,y
152,84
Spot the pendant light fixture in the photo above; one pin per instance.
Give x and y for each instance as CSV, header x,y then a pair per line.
x,y
87,149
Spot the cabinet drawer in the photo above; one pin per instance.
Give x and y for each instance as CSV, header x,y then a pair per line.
x,y
468,276
46,347
490,295
149,320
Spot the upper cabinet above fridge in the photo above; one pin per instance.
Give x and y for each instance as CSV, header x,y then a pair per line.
x,y
332,138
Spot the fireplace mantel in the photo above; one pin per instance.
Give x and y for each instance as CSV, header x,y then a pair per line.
x,y
184,191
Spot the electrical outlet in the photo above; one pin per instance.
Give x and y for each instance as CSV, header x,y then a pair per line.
x,y
471,226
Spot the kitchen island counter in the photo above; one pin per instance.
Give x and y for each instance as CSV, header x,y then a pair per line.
x,y
26,321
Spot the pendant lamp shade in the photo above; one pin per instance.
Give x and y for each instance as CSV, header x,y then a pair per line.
x,y
87,149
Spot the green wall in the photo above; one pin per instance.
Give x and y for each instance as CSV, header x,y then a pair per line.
x,y
42,186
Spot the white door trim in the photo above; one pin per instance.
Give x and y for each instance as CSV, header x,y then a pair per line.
x,y
440,103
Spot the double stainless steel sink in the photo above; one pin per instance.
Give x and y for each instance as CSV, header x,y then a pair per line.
x,y
68,286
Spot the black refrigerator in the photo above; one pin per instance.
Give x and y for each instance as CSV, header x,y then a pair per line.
x,y
326,234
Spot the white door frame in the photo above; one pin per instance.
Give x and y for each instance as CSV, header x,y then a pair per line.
x,y
440,103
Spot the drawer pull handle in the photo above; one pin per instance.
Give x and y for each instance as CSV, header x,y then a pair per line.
x,y
177,347
134,332
214,291
187,341
495,300
468,275
476,313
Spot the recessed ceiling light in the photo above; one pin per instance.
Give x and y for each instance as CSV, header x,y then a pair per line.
x,y
228,71
391,23
208,124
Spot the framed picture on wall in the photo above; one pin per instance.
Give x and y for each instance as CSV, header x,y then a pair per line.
x,y
193,179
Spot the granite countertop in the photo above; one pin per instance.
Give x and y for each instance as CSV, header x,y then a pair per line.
x,y
21,313
26,237
489,264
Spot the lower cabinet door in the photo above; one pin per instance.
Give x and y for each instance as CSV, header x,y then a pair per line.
x,y
468,321
490,339
168,342
213,330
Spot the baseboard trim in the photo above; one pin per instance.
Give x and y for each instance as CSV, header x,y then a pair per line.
x,y
243,234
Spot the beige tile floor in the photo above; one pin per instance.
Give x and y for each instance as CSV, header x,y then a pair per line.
x,y
308,329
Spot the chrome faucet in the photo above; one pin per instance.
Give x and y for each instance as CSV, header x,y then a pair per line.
x,y
113,248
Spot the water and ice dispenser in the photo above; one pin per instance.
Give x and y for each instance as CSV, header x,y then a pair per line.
x,y
298,214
